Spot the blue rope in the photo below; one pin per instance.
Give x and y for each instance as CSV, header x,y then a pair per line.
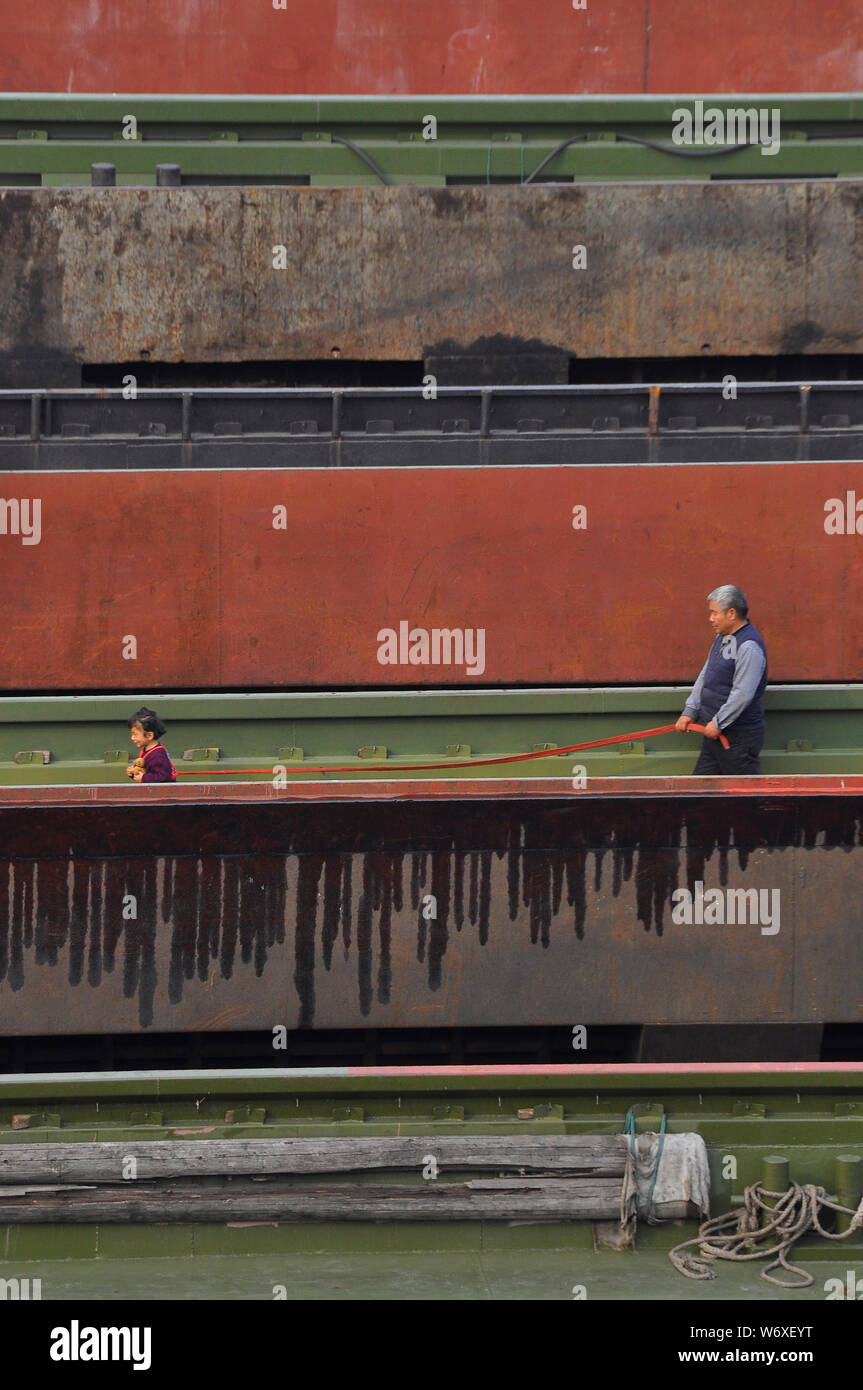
x,y
629,1128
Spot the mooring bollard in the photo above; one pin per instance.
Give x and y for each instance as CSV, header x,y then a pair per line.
x,y
103,175
775,1177
849,1186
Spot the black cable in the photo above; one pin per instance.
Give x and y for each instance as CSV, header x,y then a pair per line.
x,y
340,140
639,140
565,144
558,149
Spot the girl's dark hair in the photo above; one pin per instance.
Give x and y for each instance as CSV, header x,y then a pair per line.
x,y
149,721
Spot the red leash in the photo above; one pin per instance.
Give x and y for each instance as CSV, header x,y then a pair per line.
x,y
470,762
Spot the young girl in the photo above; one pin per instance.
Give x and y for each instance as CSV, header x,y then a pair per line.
x,y
153,765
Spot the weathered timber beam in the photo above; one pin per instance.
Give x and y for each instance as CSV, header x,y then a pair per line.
x,y
561,1199
600,1155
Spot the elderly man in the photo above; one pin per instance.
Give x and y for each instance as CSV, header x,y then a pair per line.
x,y
726,697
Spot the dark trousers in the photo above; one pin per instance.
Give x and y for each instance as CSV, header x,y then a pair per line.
x,y
740,760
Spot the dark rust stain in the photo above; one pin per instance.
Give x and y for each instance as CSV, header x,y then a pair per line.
x,y
218,901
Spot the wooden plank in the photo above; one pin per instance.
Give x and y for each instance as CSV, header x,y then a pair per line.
x,y
584,1199
180,1158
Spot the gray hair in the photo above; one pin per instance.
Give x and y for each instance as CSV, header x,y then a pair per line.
x,y
729,596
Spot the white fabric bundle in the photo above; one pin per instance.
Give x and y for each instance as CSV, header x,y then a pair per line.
x,y
682,1181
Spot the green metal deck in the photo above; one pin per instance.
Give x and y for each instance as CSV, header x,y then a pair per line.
x,y
809,1113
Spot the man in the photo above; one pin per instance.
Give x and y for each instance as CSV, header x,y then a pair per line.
x,y
727,695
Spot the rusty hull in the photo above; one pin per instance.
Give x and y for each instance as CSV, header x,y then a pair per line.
x,y
190,565
387,46
502,906
407,273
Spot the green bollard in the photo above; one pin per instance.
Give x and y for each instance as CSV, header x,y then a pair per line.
x,y
849,1186
775,1177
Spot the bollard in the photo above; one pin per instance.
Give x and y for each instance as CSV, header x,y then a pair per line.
x,y
775,1177
103,175
849,1186
168,176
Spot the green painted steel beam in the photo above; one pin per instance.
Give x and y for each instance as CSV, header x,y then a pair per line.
x,y
44,138
844,762
57,164
810,729
400,704
473,160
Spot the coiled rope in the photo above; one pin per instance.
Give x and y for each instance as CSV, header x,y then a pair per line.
x,y
736,1235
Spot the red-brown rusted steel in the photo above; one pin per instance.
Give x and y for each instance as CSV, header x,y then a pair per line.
x,y
381,47
152,913
190,565
523,788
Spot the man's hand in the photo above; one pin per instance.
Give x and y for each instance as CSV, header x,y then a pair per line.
x,y
711,730
138,774
683,723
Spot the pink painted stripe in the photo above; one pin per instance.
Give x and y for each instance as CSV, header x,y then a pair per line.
x,y
621,1069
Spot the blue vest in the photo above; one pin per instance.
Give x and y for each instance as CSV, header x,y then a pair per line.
x,y
719,677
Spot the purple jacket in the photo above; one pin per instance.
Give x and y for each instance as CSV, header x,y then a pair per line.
x,y
158,765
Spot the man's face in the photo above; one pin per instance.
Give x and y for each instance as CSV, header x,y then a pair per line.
x,y
722,622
